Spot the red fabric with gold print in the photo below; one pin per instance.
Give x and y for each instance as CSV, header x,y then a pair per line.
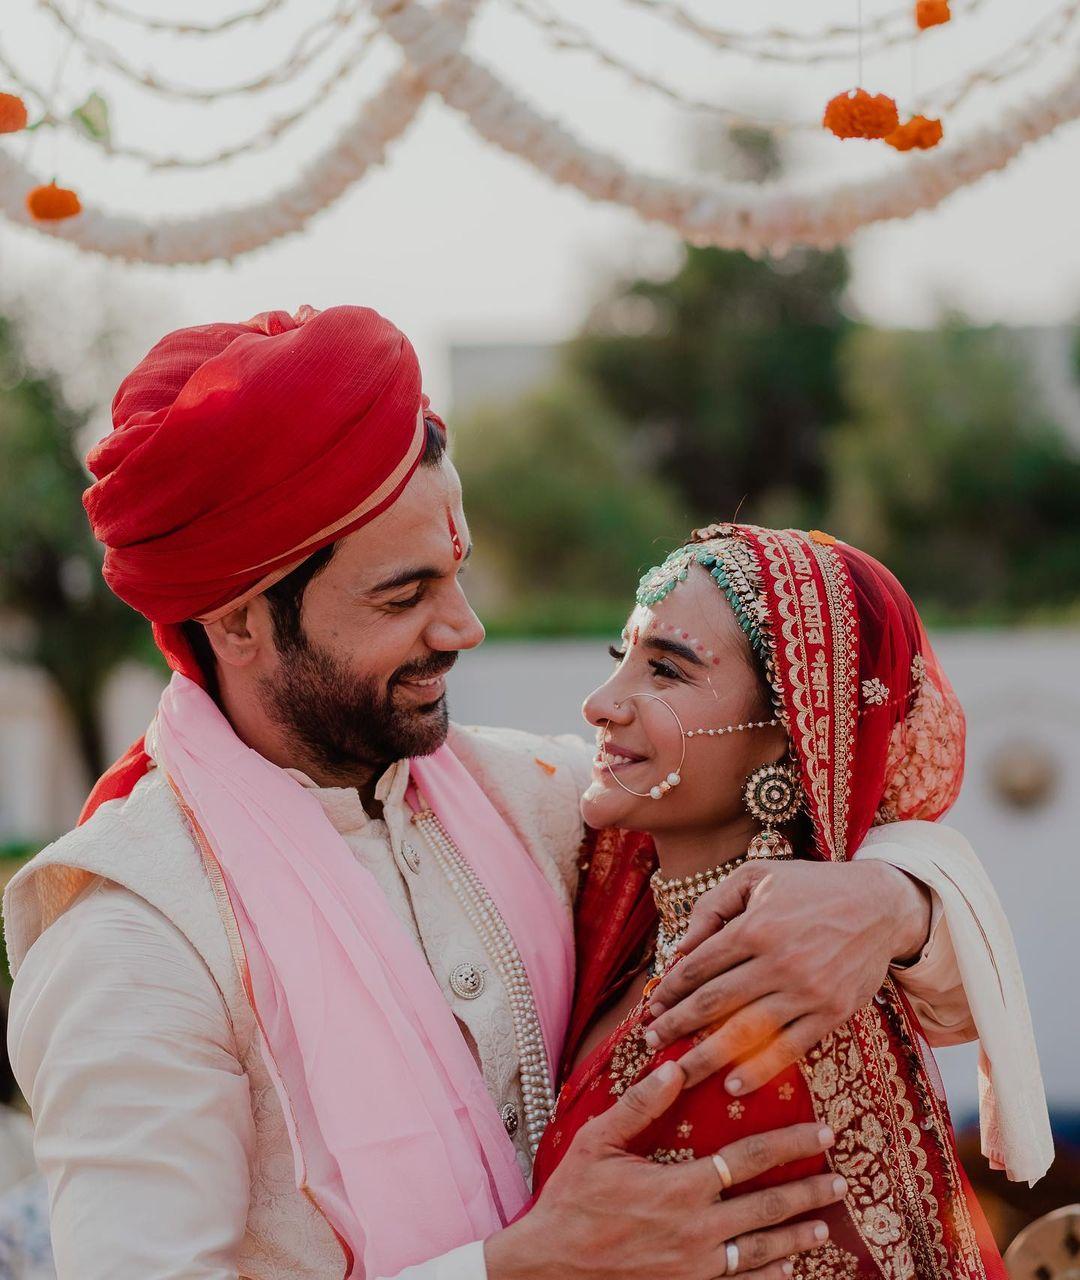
x,y
879,736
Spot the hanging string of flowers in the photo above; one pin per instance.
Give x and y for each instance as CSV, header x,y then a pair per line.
x,y
737,215
859,114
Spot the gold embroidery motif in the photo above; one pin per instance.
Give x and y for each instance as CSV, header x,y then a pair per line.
x,y
926,757
671,1155
875,692
786,1091
628,1058
735,1110
685,1129
830,1262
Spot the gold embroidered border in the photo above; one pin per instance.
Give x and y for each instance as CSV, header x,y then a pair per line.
x,y
857,1087
789,565
844,620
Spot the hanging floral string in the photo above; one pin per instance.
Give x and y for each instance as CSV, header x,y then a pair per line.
x,y
51,203
752,217
13,115
931,13
859,114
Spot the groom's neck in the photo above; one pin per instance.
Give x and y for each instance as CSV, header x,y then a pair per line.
x,y
246,712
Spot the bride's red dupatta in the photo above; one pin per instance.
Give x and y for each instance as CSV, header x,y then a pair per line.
x,y
879,736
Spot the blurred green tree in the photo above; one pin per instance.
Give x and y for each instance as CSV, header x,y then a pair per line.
x,y
559,507
62,617
727,371
949,472
728,374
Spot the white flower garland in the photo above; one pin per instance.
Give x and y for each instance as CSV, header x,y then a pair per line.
x,y
228,233
732,215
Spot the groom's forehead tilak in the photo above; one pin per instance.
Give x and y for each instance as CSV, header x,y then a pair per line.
x,y
423,536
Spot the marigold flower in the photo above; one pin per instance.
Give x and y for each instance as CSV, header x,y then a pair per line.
x,y
12,113
858,114
52,203
918,133
931,13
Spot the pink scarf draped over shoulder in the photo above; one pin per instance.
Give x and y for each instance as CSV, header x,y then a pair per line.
x,y
394,1134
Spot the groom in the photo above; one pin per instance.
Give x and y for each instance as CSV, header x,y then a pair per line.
x,y
289,1001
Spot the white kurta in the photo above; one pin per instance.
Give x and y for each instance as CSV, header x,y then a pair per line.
x,y
145,1124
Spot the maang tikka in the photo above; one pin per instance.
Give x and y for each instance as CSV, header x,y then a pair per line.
x,y
773,795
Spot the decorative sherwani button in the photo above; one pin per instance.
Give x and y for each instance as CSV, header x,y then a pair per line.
x,y
509,1115
467,980
412,858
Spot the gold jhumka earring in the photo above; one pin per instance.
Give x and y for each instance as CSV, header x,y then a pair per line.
x,y
773,796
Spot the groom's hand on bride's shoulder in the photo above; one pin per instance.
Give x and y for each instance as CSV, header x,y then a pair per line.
x,y
607,1213
779,955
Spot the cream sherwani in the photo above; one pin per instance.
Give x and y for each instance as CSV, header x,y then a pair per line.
x,y
156,1122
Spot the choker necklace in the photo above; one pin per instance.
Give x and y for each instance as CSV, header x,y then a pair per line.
x,y
675,900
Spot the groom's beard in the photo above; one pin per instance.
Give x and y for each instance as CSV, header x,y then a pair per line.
x,y
342,722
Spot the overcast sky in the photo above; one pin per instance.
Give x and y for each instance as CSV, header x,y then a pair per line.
x,y
456,242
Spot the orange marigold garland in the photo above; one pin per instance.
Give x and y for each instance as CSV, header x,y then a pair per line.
x,y
12,113
931,13
858,114
919,133
52,203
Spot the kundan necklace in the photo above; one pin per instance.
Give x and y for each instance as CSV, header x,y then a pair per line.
x,y
675,900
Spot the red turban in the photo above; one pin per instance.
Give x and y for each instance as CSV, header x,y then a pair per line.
x,y
239,449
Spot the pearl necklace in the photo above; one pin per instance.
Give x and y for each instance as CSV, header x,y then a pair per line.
x,y
537,1094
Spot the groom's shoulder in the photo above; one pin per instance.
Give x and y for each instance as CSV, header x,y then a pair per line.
x,y
513,755
130,838
535,782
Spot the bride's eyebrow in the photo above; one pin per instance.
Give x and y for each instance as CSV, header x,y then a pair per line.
x,y
673,647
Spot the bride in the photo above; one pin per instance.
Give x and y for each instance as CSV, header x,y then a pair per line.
x,y
774,697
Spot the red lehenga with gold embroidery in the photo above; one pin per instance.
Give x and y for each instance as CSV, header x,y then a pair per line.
x,y
879,736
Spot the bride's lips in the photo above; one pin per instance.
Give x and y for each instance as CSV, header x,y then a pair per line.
x,y
614,757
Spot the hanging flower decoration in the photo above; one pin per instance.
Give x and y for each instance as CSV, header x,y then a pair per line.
x,y
52,203
12,113
931,13
858,114
917,134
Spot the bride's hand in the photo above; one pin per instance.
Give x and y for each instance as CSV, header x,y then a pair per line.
x,y
779,955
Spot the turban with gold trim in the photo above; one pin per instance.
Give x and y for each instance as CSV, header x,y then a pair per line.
x,y
237,450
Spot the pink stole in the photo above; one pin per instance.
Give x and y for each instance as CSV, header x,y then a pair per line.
x,y
394,1133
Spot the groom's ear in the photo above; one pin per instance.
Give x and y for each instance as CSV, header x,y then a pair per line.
x,y
242,635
